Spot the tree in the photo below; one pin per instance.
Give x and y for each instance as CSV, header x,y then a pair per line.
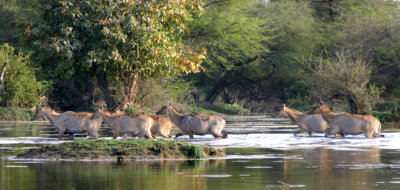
x,y
20,86
252,47
233,34
116,40
372,28
344,75
14,15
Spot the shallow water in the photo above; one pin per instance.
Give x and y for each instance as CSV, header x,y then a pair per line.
x,y
262,153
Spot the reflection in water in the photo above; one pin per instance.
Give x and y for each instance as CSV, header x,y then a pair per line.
x,y
110,175
311,169
333,168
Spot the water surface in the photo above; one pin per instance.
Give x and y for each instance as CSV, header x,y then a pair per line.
x,y
262,153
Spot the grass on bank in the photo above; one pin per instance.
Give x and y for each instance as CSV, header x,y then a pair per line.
x,y
122,149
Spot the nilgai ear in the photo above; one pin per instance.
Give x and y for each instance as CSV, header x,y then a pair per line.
x,y
169,104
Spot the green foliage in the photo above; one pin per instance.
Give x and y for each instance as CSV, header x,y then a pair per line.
x,y
116,41
252,48
372,28
132,109
304,108
14,15
232,32
292,26
156,92
193,151
15,114
384,117
221,108
344,75
121,38
20,85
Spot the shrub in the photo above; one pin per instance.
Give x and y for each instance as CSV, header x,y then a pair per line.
x,y
20,86
382,107
384,117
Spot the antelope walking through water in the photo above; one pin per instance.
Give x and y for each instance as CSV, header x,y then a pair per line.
x,y
345,123
194,124
161,125
71,122
306,123
122,123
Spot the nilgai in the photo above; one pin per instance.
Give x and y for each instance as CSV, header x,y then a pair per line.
x,y
71,122
306,123
122,123
194,124
345,123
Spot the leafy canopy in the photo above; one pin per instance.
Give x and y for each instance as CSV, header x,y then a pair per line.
x,y
119,37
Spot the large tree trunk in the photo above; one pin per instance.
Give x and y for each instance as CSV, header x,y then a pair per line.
x,y
229,97
353,106
216,90
102,81
131,91
89,102
2,75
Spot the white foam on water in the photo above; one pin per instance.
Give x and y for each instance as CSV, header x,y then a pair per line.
x,y
15,166
29,140
257,167
284,187
211,176
290,142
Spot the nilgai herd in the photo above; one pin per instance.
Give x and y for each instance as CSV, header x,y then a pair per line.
x,y
319,120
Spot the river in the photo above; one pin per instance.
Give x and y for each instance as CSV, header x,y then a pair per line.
x,y
262,153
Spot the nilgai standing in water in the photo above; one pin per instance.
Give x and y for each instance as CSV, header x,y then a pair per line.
x,y
194,124
71,122
352,124
122,123
161,125
306,123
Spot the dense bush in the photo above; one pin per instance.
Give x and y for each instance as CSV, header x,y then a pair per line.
x,y
384,117
20,86
382,107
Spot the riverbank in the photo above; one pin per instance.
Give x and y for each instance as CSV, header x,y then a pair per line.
x,y
103,149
